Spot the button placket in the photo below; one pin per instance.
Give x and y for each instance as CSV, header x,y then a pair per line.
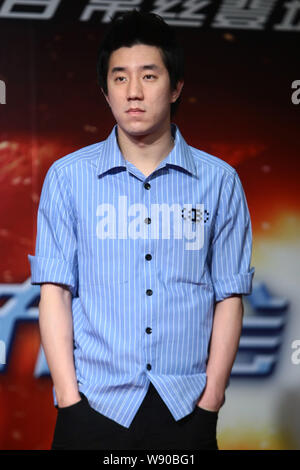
x,y
148,221
149,292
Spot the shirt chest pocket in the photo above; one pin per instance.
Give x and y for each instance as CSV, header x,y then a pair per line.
x,y
184,261
189,263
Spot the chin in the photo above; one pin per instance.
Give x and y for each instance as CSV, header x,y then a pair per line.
x,y
137,129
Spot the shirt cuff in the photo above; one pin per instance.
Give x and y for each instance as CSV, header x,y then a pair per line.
x,y
52,270
240,283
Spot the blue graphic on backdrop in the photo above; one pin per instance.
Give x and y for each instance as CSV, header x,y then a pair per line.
x,y
259,348
262,333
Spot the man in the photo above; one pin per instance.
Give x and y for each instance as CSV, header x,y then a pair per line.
x,y
143,253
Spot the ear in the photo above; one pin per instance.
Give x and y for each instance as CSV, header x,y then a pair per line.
x,y
105,96
175,93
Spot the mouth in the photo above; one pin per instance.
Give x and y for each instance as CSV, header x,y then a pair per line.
x,y
135,111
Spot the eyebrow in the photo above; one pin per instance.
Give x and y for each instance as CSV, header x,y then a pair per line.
x,y
142,67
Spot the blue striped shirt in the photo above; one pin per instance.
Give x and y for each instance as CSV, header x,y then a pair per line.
x,y
145,258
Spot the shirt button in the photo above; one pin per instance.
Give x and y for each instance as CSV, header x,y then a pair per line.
x,y
148,330
147,220
147,185
149,292
149,366
148,257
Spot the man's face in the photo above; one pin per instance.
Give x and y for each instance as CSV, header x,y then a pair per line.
x,y
138,89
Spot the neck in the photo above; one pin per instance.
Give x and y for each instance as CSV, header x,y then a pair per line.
x,y
148,150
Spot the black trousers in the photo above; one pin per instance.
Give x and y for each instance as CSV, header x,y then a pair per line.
x,y
79,426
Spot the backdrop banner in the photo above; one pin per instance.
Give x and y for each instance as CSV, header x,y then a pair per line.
x,y
240,102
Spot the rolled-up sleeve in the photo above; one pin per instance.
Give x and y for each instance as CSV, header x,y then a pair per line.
x,y
231,247
55,257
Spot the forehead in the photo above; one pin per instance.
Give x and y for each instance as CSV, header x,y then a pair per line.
x,y
136,56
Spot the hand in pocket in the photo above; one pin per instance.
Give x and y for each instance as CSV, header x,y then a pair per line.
x,y
72,425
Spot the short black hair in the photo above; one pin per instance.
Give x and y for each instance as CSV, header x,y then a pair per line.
x,y
136,27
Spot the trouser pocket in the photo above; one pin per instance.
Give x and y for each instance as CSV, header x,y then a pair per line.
x,y
72,426
205,428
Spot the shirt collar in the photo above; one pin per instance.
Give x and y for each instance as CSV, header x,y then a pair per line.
x,y
180,155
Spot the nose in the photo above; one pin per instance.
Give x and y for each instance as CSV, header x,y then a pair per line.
x,y
135,89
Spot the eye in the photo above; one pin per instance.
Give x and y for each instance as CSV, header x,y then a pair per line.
x,y
149,75
119,79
